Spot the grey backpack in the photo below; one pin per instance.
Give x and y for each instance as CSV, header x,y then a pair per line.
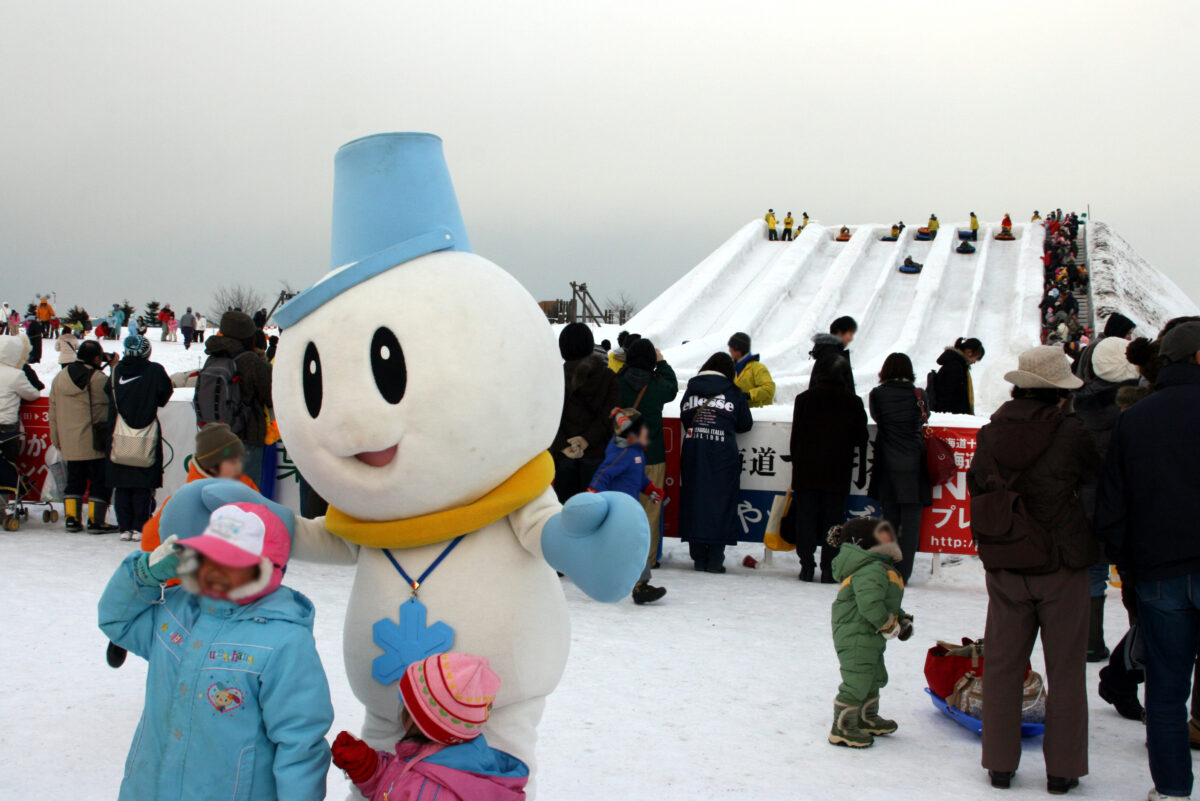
x,y
218,395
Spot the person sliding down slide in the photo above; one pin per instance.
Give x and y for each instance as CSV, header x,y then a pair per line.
x,y
965,246
910,266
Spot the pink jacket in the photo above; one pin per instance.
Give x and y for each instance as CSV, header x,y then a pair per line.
x,y
472,771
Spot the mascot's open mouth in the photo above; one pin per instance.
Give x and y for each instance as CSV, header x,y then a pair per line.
x,y
377,458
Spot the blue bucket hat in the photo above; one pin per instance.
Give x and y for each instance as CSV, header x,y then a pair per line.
x,y
393,201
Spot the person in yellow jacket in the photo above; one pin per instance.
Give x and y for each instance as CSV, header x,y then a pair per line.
x,y
1036,217
933,226
974,228
788,222
803,221
772,234
753,377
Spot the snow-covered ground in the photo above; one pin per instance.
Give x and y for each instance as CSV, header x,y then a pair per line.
x,y
723,690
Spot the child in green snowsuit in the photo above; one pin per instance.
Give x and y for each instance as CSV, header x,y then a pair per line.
x,y
866,614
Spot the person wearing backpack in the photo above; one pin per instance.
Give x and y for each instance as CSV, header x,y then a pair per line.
x,y
136,389
1037,547
234,387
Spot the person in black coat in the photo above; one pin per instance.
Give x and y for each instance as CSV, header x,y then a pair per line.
x,y
137,389
899,478
841,333
591,393
35,331
829,427
953,391
713,412
1146,508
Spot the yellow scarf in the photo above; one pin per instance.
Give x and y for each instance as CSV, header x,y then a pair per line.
x,y
519,489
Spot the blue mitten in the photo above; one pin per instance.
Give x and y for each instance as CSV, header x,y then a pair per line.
x,y
186,513
600,540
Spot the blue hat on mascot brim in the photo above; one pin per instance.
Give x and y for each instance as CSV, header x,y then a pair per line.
x,y
393,202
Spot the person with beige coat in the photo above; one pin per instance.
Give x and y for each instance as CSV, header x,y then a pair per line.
x,y
78,428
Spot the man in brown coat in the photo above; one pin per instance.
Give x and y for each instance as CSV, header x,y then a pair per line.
x,y
1043,455
235,339
78,421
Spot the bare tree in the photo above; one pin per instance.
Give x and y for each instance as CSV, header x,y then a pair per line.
x,y
623,306
235,296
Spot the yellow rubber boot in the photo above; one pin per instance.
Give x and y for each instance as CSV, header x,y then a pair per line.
x,y
71,512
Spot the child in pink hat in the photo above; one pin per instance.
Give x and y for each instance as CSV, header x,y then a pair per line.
x,y
447,700
232,665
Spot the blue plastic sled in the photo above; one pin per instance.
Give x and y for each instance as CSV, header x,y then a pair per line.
x,y
923,237
909,270
975,724
889,238
963,235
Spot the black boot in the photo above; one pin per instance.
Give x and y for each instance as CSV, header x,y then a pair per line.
x,y
1057,785
115,655
808,572
1001,779
1097,650
1127,705
643,593
96,513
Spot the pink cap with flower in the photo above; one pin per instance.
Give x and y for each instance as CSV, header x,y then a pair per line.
x,y
450,696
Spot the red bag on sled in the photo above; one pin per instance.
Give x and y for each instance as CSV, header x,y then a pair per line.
x,y
946,663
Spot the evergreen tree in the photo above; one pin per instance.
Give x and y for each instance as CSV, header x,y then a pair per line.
x,y
78,314
150,318
130,312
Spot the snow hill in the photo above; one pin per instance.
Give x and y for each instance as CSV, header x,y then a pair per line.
x,y
1123,281
782,293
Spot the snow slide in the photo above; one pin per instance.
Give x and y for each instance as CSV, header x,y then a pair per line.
x,y
783,293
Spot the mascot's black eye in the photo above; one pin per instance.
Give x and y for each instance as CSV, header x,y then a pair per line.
x,y
311,380
387,365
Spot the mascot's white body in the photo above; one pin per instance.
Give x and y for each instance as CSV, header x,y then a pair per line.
x,y
483,398
417,387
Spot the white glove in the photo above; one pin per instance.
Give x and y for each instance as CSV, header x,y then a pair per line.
x,y
891,629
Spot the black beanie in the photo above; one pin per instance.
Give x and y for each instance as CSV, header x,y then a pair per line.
x,y
1118,325
575,342
858,531
640,353
740,342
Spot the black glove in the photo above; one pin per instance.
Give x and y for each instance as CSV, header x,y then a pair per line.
x,y
906,629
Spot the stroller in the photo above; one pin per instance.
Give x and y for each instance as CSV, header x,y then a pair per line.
x,y
18,490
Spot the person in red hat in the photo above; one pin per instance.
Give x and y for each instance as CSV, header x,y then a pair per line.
x,y
233,667
447,700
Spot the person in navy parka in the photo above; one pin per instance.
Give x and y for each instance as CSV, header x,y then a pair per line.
x,y
713,412
237,704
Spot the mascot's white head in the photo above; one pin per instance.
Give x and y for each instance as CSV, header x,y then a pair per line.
x,y
416,376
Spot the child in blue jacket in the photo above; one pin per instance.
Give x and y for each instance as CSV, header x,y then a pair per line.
x,y
624,470
237,704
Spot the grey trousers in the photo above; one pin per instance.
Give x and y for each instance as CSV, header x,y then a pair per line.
x,y
1019,607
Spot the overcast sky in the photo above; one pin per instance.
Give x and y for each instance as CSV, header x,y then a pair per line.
x,y
155,150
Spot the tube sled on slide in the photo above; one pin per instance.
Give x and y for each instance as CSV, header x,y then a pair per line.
x,y
923,235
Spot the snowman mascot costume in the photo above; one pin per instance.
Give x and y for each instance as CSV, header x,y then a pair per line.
x,y
417,387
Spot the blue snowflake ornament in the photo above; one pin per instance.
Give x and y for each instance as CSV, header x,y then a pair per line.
x,y
407,642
